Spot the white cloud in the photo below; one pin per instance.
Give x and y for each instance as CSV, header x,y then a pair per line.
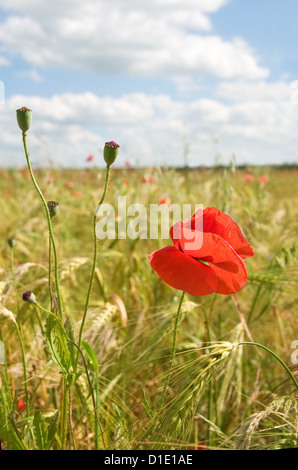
x,y
249,116
157,38
30,75
152,129
39,8
3,61
254,91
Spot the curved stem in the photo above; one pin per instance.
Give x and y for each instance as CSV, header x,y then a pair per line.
x,y
65,401
50,273
94,256
275,356
53,314
172,356
49,223
94,399
173,353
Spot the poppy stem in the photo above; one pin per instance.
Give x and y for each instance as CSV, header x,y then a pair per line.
x,y
163,396
64,415
51,233
50,272
276,357
210,385
12,264
94,257
57,317
173,354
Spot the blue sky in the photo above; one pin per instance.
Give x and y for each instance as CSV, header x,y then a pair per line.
x,y
269,26
213,74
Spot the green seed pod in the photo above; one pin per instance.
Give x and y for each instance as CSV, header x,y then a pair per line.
x,y
11,242
24,118
53,208
110,152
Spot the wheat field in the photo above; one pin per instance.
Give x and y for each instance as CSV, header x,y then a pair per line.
x,y
220,395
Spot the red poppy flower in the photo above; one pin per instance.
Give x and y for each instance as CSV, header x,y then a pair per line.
x,y
248,178
207,255
163,200
21,405
199,447
25,172
263,179
49,180
90,158
147,179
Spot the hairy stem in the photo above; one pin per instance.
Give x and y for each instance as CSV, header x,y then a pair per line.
x,y
49,223
50,273
94,257
173,354
64,415
94,399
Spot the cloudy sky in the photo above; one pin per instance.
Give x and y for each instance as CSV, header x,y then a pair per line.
x,y
169,80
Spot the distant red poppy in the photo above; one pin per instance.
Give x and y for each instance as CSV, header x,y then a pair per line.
x,y
127,164
199,447
21,406
49,180
263,179
147,179
216,265
90,158
25,172
163,200
125,182
69,185
248,178
77,194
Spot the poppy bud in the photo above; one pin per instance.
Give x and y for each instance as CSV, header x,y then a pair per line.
x,y
53,208
24,118
29,297
11,242
110,152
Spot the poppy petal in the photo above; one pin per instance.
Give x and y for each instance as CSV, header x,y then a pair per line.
x,y
216,221
206,246
186,273
182,272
